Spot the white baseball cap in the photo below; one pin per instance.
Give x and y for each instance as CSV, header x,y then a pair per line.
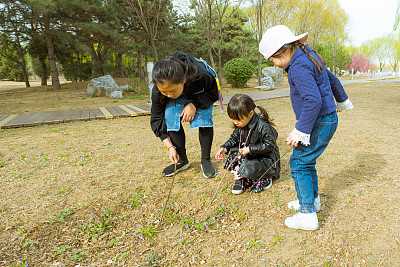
x,y
276,37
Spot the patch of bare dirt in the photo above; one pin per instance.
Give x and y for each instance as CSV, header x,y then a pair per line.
x,y
91,194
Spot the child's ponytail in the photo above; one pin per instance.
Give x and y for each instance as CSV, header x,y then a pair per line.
x,y
312,58
241,105
265,116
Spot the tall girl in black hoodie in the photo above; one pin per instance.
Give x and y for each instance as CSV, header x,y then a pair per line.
x,y
184,91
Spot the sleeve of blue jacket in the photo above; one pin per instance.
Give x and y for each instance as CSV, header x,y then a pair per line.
x,y
337,88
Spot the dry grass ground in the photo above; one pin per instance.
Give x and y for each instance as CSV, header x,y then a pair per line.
x,y
91,194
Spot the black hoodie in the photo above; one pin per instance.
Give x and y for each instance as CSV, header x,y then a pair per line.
x,y
202,91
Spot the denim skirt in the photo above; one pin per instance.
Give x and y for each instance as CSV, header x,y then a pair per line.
x,y
173,110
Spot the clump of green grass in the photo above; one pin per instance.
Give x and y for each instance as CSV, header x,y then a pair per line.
x,y
94,229
240,214
147,231
61,249
63,191
133,200
254,242
153,259
21,263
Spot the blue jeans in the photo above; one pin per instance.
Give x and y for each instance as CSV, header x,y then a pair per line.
x,y
303,161
173,109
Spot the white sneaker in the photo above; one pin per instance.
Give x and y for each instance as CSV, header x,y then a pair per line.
x,y
296,205
303,221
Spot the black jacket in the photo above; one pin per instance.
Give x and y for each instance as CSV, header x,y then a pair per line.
x,y
203,92
264,151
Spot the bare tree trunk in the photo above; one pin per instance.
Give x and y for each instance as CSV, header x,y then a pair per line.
x,y
259,72
394,66
43,70
209,38
149,13
139,64
78,66
145,77
53,65
154,48
259,22
97,60
334,62
120,65
213,14
219,70
24,72
96,66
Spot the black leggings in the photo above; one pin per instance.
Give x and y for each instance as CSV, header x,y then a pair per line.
x,y
206,135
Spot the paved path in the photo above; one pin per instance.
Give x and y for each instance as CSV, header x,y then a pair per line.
x,y
61,116
286,91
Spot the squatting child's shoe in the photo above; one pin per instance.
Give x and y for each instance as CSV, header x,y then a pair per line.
x,y
261,185
296,205
238,187
303,221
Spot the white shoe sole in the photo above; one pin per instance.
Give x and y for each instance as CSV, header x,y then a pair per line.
x,y
237,192
295,223
184,167
268,187
205,176
313,228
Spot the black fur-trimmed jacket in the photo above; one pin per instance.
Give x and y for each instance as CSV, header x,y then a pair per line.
x,y
264,151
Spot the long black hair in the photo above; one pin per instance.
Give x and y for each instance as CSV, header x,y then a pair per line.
x,y
241,105
292,48
175,71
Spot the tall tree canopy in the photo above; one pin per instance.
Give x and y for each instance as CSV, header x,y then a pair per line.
x,y
83,39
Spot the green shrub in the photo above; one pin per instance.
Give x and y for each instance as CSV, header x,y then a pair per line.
x,y
77,71
266,65
37,68
238,71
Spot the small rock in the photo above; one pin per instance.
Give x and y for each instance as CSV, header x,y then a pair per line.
x,y
116,94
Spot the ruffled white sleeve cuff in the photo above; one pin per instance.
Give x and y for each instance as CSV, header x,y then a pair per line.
x,y
300,137
344,105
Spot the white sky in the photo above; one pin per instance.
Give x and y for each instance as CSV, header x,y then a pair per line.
x,y
369,19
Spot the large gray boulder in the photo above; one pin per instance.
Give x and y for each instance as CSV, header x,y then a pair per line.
x,y
126,87
116,94
275,73
102,86
267,83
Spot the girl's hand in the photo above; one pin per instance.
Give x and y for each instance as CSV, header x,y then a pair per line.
x,y
221,153
245,150
188,113
173,155
291,142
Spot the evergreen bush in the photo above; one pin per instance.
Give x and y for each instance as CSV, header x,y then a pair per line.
x,y
77,71
238,71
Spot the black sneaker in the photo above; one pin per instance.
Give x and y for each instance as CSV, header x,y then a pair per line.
x,y
261,185
180,166
208,169
238,188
